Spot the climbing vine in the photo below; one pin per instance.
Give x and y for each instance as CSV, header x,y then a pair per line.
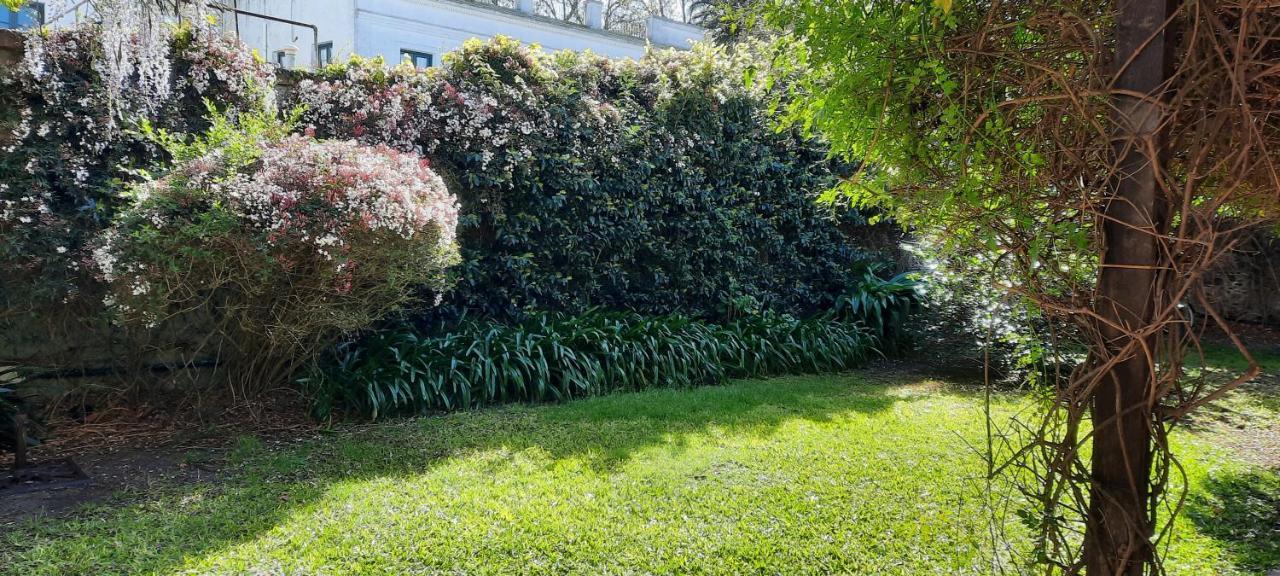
x,y
1104,155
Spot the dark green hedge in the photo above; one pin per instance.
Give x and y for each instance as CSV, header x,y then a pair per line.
x,y
655,186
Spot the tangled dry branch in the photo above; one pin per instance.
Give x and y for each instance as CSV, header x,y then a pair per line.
x,y
1207,133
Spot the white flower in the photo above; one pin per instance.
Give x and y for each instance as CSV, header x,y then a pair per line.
x,y
105,258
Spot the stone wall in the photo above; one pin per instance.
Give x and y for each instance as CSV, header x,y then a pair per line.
x,y
1246,285
10,47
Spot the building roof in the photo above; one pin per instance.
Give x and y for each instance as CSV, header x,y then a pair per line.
x,y
610,34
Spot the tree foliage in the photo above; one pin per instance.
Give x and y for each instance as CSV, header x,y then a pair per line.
x,y
1018,131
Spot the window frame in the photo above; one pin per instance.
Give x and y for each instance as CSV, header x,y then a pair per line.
x,y
282,55
413,56
324,53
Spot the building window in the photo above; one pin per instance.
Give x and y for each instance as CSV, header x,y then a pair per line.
x,y
285,58
418,59
324,53
29,16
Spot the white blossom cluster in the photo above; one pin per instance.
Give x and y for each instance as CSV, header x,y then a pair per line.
x,y
76,132
93,115
214,60
52,66
25,209
494,103
133,62
370,104
419,111
319,191
494,123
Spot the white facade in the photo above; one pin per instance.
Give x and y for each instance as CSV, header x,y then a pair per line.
x,y
426,29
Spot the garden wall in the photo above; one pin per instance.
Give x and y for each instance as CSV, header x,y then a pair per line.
x,y
10,47
1246,284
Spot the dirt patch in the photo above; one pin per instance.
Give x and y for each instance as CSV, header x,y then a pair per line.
x,y
1261,335
1245,421
111,473
123,450
1259,445
959,370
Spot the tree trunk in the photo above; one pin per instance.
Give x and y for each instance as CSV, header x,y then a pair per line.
x,y
1119,528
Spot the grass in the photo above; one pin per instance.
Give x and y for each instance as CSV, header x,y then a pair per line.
x,y
1222,362
1223,357
860,474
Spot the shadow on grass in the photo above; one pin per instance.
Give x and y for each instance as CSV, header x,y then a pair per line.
x,y
158,530
1242,511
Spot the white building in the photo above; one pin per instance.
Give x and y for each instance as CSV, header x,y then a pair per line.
x,y
302,33
423,30
28,16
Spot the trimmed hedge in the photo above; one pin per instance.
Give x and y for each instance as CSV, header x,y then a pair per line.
x,y
655,186
554,357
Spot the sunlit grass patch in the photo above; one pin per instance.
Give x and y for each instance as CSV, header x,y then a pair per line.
x,y
805,475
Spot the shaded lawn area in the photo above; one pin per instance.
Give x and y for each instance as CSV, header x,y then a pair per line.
x,y
866,473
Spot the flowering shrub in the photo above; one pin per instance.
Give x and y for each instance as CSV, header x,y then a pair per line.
x,y
65,153
285,242
364,100
486,106
658,185
209,66
492,107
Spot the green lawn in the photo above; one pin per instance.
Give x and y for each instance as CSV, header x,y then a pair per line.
x,y
859,474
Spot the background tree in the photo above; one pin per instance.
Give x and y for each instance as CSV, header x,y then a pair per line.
x,y
626,16
729,21
1107,154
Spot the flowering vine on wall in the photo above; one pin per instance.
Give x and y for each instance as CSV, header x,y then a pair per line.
x,y
69,145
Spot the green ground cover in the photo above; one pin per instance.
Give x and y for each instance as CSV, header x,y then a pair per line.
x,y
865,473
